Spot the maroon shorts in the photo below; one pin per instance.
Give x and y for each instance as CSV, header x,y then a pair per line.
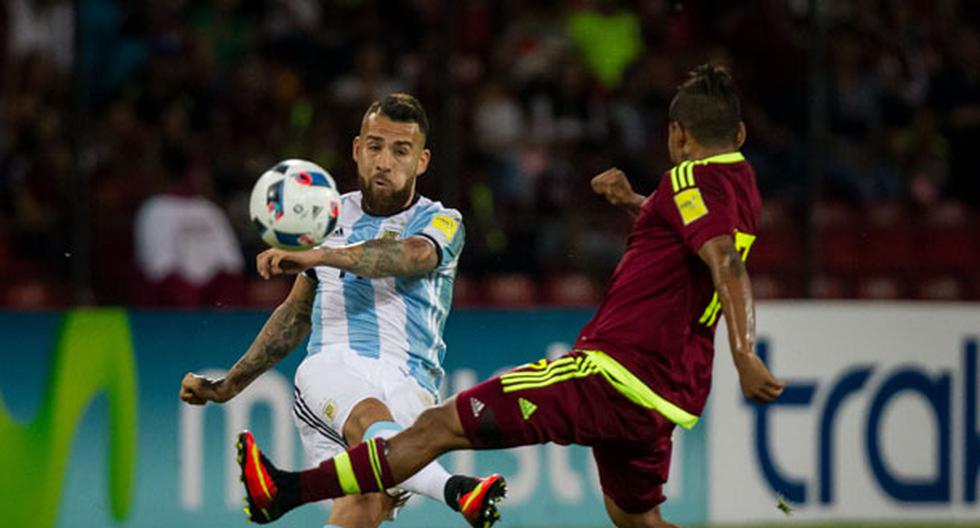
x,y
566,401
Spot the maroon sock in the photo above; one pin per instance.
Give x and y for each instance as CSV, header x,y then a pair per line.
x,y
361,469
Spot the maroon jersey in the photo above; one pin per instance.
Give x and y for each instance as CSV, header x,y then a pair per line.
x,y
658,317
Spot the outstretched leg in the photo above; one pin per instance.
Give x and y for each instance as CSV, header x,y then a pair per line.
x,y
374,465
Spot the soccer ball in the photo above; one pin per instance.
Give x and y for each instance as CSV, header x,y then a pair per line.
x,y
295,205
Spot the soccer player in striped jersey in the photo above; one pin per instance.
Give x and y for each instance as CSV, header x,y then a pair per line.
x,y
639,368
374,300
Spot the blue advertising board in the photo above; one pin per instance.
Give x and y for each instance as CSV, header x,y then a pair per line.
x,y
94,434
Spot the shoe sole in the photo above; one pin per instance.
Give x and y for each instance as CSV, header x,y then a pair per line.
x,y
489,514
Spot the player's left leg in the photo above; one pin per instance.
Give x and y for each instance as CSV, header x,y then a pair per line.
x,y
632,473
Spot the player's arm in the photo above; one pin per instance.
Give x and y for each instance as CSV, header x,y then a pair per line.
x,y
613,184
283,331
735,294
415,255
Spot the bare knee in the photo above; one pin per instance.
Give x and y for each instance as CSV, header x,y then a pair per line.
x,y
361,511
365,413
648,519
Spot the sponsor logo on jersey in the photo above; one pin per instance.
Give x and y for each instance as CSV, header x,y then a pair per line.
x,y
446,224
477,407
527,408
690,205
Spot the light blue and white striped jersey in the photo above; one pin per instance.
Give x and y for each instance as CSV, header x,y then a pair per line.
x,y
398,320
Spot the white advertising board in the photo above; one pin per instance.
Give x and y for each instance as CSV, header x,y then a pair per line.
x,y
878,421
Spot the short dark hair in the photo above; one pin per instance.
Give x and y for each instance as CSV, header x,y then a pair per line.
x,y
707,105
402,108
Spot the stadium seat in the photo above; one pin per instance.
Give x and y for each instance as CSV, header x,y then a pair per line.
x,y
510,290
31,294
886,244
465,292
779,243
267,294
831,287
572,289
838,231
880,287
939,288
777,286
948,240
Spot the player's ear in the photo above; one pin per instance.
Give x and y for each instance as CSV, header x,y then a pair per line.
x,y
354,146
740,135
423,162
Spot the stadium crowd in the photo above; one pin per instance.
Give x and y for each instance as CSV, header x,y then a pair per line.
x,y
127,104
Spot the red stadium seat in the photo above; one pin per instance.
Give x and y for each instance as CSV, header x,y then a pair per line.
x,y
880,287
466,291
779,243
511,290
948,240
939,288
886,244
777,286
573,289
832,287
838,237
267,294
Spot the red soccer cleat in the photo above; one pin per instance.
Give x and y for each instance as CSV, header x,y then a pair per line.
x,y
263,489
479,505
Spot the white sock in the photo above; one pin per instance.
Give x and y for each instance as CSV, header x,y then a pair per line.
x,y
429,481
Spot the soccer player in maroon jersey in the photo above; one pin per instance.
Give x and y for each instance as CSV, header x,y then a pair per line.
x,y
639,368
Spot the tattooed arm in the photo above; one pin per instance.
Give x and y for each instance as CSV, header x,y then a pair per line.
x,y
285,328
415,255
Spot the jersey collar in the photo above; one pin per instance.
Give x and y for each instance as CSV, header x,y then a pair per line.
x,y
727,157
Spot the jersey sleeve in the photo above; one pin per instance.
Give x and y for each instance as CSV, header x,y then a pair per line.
x,y
699,205
443,227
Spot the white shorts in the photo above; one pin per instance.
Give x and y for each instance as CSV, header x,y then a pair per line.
x,y
329,385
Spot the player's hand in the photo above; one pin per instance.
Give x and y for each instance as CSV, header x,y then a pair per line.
x,y
280,262
613,185
758,384
198,390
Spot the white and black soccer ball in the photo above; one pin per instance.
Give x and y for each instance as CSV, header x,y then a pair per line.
x,y
295,205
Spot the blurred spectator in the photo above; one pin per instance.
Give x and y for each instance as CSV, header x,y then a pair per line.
x,y
43,27
186,251
609,38
531,97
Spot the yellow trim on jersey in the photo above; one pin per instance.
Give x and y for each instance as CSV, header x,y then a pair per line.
x,y
567,368
557,366
710,314
728,157
682,176
598,362
638,392
375,463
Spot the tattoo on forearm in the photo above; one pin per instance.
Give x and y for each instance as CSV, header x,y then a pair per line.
x,y
389,258
734,260
287,326
379,258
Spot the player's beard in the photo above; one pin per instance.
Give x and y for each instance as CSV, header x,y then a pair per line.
x,y
388,201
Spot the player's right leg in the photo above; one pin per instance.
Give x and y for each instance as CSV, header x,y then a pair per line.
x,y
623,519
